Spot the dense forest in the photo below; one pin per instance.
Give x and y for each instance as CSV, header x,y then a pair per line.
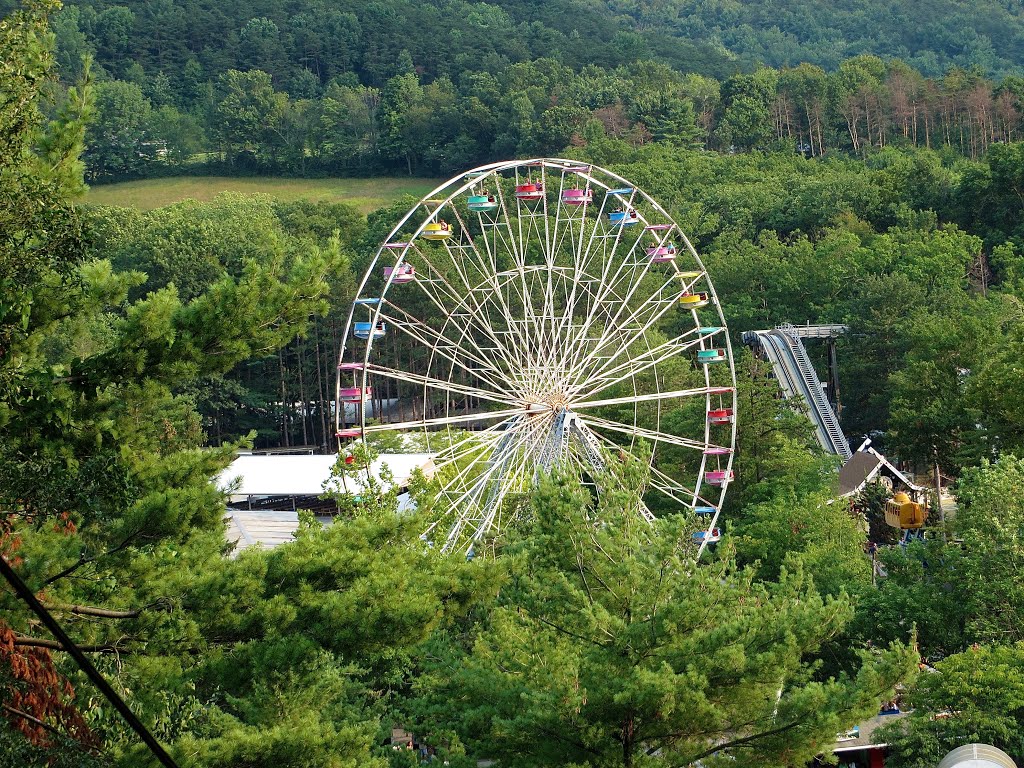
x,y
399,88
140,351
450,37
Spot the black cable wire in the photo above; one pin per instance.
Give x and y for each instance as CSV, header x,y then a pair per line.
x,y
22,590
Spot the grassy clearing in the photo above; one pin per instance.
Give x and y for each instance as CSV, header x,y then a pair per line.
x,y
364,194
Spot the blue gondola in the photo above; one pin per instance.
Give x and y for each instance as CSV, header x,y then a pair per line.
x,y
365,330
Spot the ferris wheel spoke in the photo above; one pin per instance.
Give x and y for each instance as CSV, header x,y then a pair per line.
x,y
546,326
635,282
465,418
575,285
452,300
602,379
672,492
477,440
648,397
599,313
664,484
590,459
657,303
475,363
442,385
472,505
600,234
553,445
473,452
565,215
436,284
575,340
488,267
628,266
461,514
507,234
597,424
499,485
678,491
484,262
599,358
454,490
532,323
625,272
563,327
670,291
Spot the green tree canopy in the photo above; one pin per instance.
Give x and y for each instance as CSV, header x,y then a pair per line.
x,y
611,646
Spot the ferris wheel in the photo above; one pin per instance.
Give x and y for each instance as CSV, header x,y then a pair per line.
x,y
535,314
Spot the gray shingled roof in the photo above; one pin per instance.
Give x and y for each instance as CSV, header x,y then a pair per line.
x,y
855,473
864,466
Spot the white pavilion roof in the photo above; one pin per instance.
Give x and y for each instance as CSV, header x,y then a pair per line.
x,y
305,474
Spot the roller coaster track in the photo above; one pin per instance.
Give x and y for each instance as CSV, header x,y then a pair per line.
x,y
785,350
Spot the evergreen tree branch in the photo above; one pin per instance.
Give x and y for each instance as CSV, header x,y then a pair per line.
x,y
86,560
737,743
109,613
24,641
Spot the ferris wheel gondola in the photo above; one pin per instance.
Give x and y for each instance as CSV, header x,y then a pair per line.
x,y
515,320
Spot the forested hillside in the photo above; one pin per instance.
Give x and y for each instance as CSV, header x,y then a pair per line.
x,y
141,351
451,36
930,35
429,88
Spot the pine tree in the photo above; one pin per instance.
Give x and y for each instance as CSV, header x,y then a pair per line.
x,y
611,646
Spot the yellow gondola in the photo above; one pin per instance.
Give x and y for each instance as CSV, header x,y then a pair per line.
x,y
694,300
902,513
437,230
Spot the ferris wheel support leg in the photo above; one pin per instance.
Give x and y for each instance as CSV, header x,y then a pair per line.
x,y
595,457
554,446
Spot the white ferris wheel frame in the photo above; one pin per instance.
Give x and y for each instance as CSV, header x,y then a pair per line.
x,y
501,450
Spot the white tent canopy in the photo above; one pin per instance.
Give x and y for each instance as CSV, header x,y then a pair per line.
x,y
305,475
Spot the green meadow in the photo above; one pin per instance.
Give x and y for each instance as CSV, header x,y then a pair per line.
x,y
364,194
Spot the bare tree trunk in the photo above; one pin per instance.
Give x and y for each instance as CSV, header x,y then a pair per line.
x,y
284,441
322,400
303,398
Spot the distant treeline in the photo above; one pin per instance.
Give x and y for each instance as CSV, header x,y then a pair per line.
x,y
448,37
415,125
425,88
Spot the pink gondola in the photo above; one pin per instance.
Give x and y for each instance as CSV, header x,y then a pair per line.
x,y
576,196
717,451
719,477
354,394
350,432
403,273
662,254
